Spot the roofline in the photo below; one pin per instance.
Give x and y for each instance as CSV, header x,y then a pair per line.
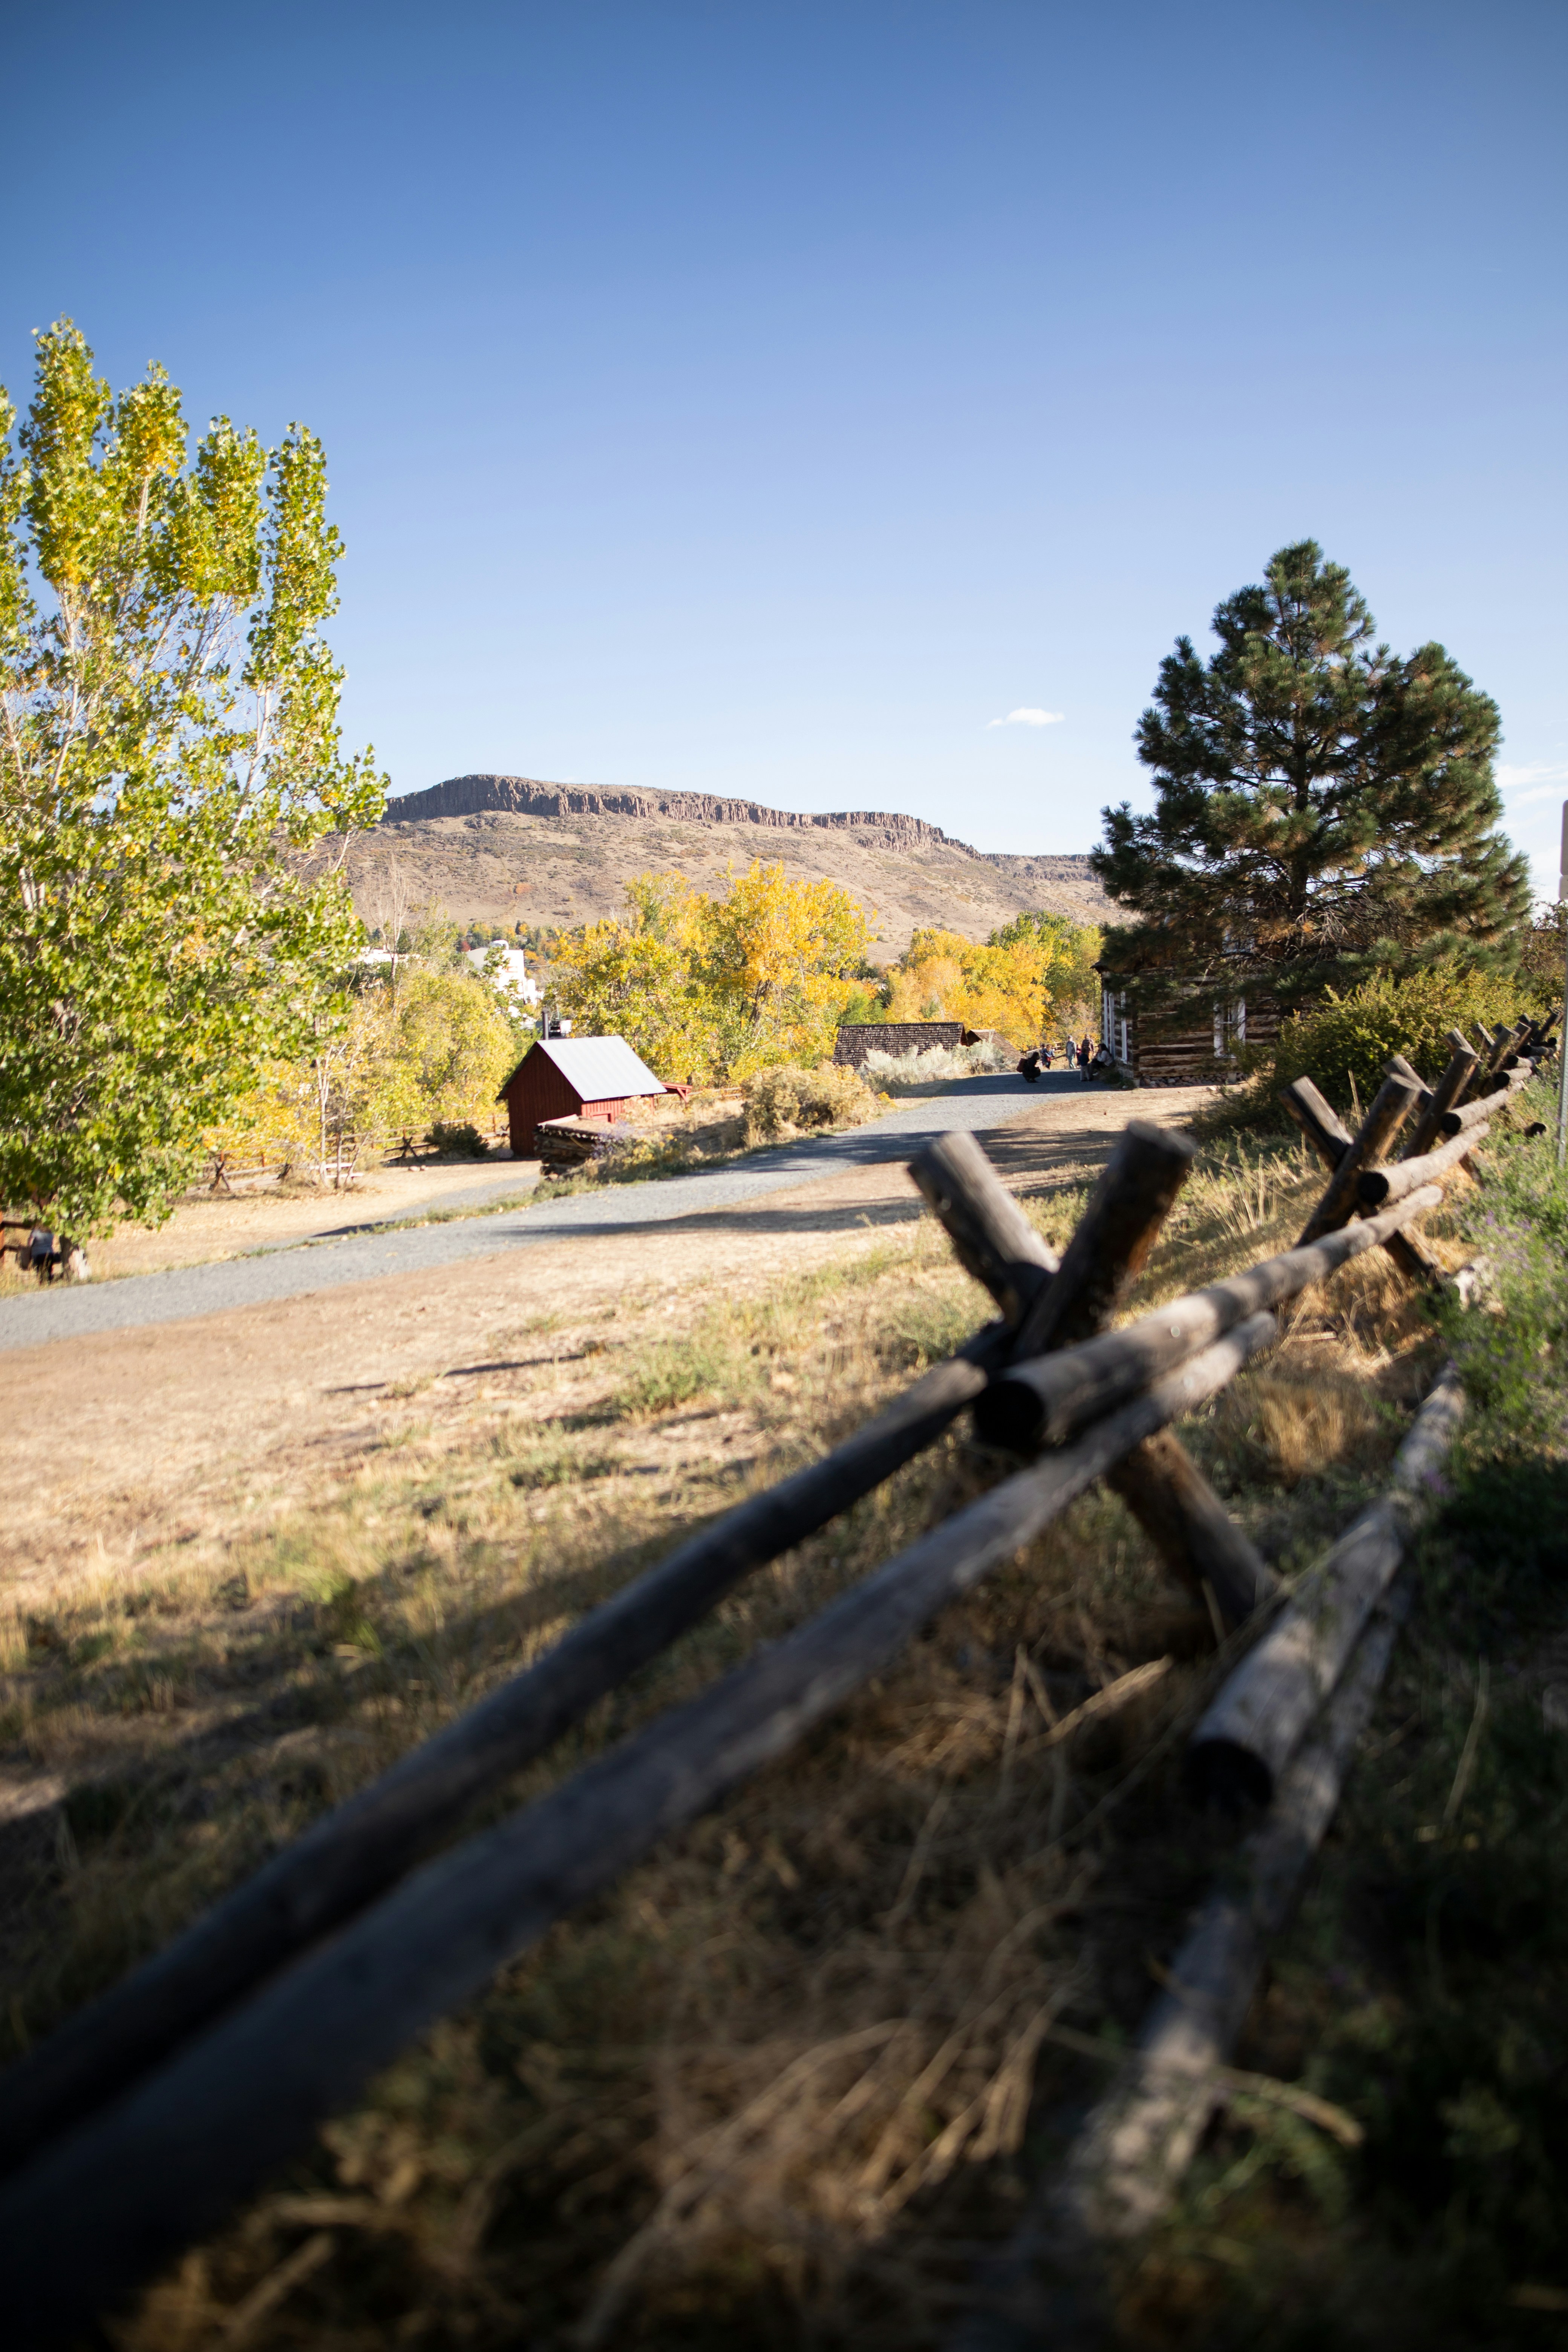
x,y
662,1084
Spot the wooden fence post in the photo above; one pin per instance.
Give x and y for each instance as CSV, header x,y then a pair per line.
x,y
1161,1484
1333,1140
1261,1713
1455,1078
1050,1399
1390,1106
991,1238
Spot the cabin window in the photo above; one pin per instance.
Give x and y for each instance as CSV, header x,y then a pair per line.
x,y
1229,1027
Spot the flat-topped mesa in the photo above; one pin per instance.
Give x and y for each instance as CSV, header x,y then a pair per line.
x,y
526,796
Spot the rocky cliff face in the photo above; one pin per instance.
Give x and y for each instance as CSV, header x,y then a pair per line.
x,y
526,796
510,848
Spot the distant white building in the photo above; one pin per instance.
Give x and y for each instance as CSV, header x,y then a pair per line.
x,y
511,975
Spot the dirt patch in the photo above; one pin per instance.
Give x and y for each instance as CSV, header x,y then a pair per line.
x,y
137,1438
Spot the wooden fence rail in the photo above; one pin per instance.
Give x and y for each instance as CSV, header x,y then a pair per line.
x,y
146,2117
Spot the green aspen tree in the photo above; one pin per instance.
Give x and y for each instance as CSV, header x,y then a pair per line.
x,y
1325,808
174,799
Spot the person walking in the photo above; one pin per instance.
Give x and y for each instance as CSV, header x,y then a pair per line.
x,y
1085,1052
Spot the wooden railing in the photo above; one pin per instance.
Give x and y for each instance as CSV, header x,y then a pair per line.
x,y
147,2116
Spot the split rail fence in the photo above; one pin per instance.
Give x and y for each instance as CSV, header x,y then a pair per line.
x,y
145,2119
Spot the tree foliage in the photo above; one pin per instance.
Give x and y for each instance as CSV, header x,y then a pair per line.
x,y
432,1042
1032,970
1070,952
715,988
1342,1043
169,759
1324,808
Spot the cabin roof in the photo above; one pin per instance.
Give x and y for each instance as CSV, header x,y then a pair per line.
x,y
597,1069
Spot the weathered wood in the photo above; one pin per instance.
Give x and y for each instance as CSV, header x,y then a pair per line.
x,y
1049,1399
1331,1138
355,1852
1195,1536
1166,1492
991,1238
105,2207
1376,1187
1259,1718
1318,1120
1124,2169
1398,1066
1461,1068
1111,1246
1390,1107
1501,1047
1505,1068
1484,1107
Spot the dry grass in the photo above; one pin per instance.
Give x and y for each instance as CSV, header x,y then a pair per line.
x,y
784,2079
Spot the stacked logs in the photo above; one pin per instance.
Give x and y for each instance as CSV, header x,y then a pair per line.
x,y
565,1145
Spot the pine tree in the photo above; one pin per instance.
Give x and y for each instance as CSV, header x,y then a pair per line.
x,y
1325,808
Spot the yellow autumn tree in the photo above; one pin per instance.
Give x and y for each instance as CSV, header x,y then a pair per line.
x,y
435,1046
779,958
1026,973
715,988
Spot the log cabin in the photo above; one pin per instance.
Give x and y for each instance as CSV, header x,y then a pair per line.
x,y
1174,1051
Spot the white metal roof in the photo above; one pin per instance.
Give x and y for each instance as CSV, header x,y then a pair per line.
x,y
601,1069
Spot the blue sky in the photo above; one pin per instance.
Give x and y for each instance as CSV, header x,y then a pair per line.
x,y
766,398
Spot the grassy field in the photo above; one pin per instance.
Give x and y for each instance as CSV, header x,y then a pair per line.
x,y
784,2082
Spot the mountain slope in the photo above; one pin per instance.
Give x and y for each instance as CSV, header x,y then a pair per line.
x,y
506,849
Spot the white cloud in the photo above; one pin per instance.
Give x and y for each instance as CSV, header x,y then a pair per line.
x,y
1546,779
1029,719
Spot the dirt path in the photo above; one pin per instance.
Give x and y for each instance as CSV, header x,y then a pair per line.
x,y
206,1228
141,1438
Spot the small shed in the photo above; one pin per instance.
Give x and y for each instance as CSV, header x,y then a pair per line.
x,y
573,1077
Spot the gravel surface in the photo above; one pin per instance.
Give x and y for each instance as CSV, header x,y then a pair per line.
x,y
60,1313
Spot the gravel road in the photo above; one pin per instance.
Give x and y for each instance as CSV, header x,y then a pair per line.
x,y
79,1312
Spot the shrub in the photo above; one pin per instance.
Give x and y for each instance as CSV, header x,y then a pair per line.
x,y
782,1100
459,1138
1347,1039
925,1066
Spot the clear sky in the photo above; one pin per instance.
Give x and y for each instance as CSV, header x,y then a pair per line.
x,y
765,397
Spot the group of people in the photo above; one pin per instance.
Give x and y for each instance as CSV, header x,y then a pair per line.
x,y
1093,1061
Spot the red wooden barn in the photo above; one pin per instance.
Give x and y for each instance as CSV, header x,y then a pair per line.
x,y
573,1077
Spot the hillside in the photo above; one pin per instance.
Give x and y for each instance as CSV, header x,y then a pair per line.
x,y
511,849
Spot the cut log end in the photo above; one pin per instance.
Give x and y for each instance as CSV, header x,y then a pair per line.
x,y
1221,1773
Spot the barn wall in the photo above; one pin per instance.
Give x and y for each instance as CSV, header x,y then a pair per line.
x,y
537,1091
